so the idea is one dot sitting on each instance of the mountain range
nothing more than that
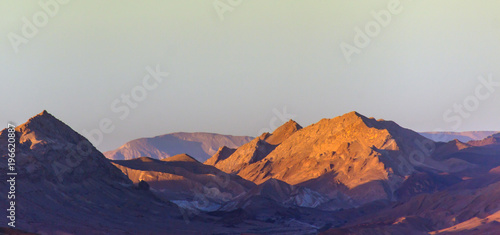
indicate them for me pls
(202, 146)
(464, 136)
(346, 175)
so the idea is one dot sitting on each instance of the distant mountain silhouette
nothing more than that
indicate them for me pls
(199, 145)
(464, 136)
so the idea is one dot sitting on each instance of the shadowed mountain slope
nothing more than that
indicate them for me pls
(181, 178)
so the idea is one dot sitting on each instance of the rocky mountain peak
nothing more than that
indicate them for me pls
(57, 151)
(42, 119)
(221, 154)
(248, 153)
(282, 133)
(290, 125)
(44, 127)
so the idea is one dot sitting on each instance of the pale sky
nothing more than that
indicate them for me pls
(227, 74)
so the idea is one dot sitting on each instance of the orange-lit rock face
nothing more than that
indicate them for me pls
(282, 133)
(342, 145)
(348, 151)
(254, 151)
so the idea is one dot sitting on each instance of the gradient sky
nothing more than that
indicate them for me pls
(227, 76)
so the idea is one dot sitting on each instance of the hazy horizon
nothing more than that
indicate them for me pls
(235, 72)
